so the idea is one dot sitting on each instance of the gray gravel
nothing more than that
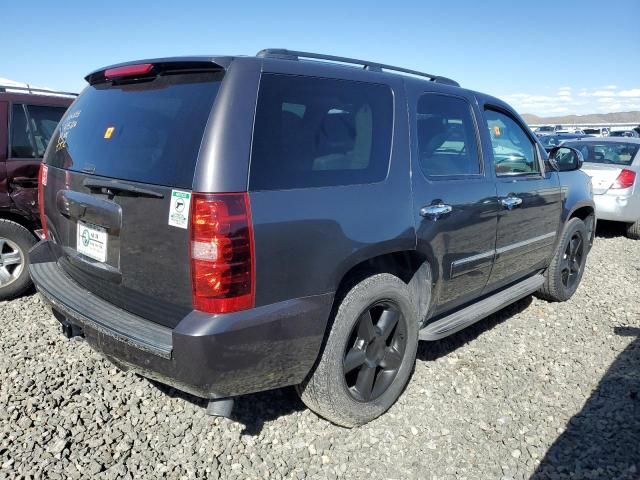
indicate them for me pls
(542, 390)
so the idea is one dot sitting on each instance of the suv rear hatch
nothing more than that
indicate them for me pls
(118, 185)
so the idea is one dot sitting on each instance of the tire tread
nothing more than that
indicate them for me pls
(25, 239)
(552, 290)
(633, 230)
(317, 391)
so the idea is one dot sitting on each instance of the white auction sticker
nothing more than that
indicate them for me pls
(179, 209)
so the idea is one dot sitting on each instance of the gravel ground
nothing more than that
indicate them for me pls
(538, 390)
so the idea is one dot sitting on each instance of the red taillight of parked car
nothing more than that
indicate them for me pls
(222, 258)
(625, 179)
(42, 182)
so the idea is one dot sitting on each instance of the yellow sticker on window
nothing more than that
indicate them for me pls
(108, 132)
(496, 131)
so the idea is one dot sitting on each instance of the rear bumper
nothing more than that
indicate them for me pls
(619, 208)
(211, 356)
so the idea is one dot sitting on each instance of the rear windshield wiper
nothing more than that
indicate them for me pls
(110, 187)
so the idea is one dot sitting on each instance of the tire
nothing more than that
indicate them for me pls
(342, 397)
(15, 242)
(633, 230)
(564, 274)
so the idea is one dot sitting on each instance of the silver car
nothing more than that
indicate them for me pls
(613, 164)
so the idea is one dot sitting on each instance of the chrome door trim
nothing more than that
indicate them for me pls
(461, 266)
(472, 263)
(524, 243)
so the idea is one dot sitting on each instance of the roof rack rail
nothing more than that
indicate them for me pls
(28, 89)
(373, 66)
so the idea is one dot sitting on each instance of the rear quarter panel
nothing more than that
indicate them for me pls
(576, 193)
(4, 127)
(307, 239)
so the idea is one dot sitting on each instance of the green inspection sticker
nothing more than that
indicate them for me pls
(179, 209)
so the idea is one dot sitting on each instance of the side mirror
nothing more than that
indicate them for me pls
(566, 159)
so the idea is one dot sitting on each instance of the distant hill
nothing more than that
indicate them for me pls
(617, 117)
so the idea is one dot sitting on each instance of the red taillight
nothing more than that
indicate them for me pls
(625, 179)
(42, 182)
(222, 261)
(128, 70)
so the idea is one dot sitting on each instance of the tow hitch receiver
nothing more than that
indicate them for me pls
(69, 329)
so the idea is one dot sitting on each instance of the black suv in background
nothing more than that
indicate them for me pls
(28, 118)
(228, 225)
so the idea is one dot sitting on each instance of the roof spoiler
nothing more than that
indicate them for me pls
(152, 68)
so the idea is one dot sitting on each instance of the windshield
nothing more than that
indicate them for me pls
(555, 140)
(545, 129)
(550, 141)
(617, 153)
(148, 132)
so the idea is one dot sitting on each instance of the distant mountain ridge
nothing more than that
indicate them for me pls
(616, 117)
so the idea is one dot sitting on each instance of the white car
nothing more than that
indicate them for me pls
(597, 132)
(614, 167)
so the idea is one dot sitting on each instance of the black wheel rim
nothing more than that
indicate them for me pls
(375, 350)
(572, 260)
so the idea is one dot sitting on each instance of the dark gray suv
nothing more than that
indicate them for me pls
(228, 225)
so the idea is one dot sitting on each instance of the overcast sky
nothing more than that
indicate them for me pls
(544, 57)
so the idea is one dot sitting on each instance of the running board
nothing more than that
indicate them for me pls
(463, 318)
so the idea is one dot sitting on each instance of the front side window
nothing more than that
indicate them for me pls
(21, 146)
(43, 122)
(513, 151)
(317, 132)
(447, 142)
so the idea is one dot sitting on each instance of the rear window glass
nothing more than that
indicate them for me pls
(316, 132)
(148, 131)
(616, 153)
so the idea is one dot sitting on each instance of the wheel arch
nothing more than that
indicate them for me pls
(411, 267)
(20, 220)
(586, 212)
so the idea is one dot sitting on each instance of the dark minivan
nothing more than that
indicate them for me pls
(28, 118)
(228, 225)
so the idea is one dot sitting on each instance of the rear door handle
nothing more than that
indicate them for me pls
(434, 212)
(24, 181)
(510, 202)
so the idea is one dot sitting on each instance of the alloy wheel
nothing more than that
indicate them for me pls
(11, 262)
(572, 260)
(375, 351)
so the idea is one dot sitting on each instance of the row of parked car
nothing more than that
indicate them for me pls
(227, 225)
(612, 161)
(547, 130)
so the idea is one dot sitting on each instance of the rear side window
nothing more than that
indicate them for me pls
(21, 146)
(317, 132)
(147, 131)
(43, 121)
(447, 141)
